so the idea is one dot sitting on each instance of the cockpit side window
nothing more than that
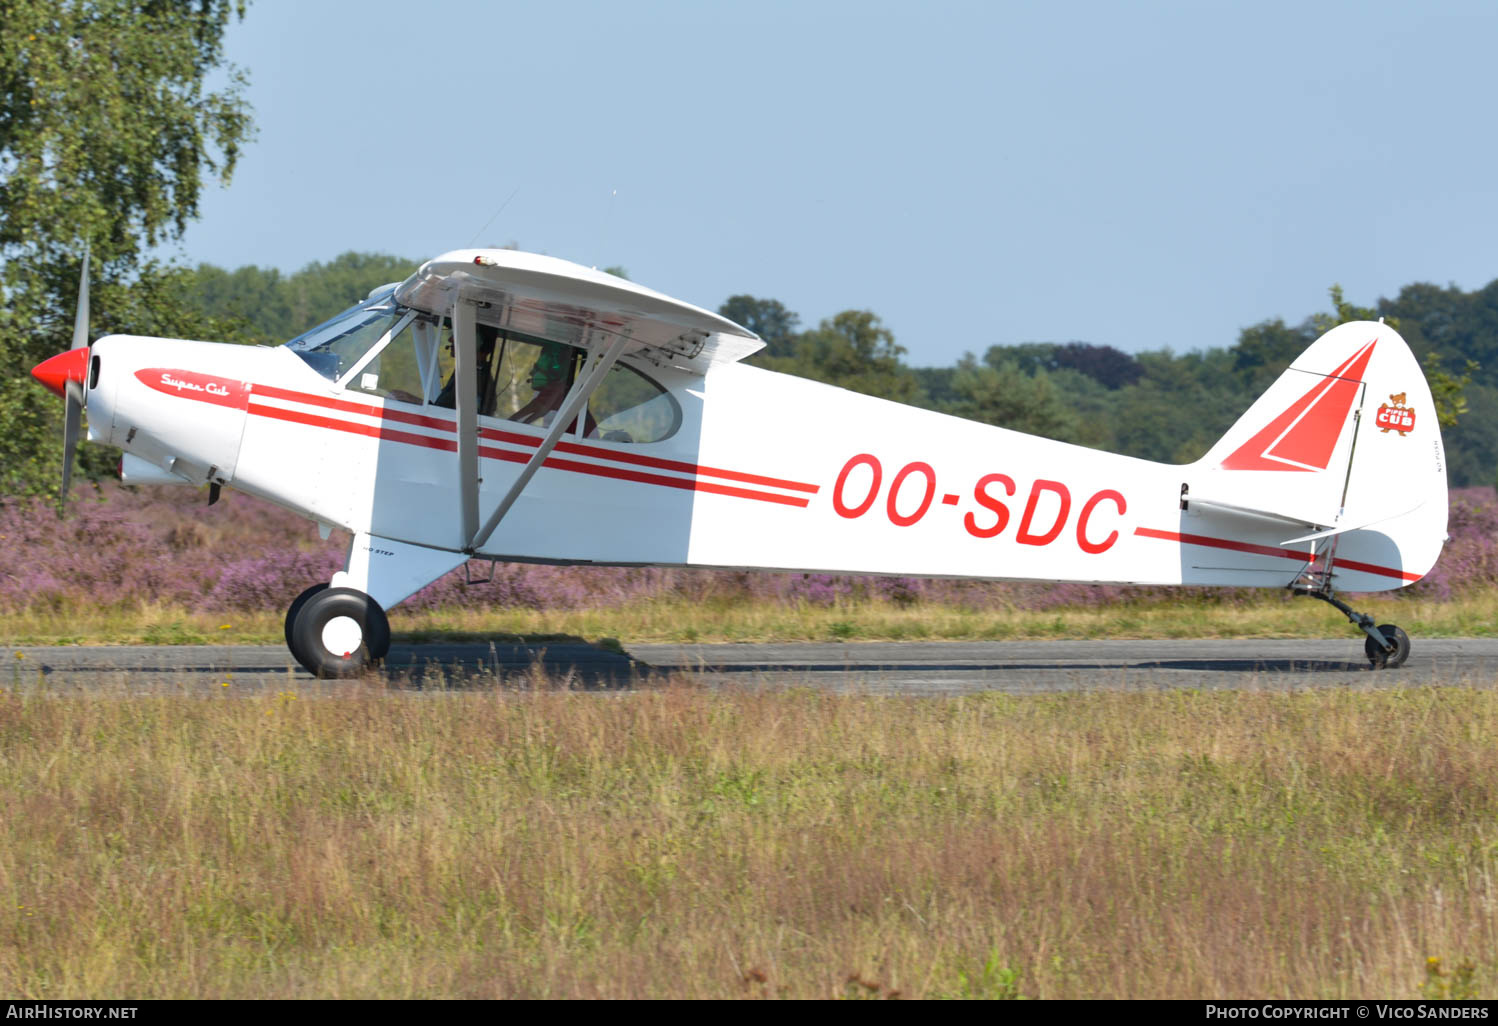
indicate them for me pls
(336, 346)
(395, 371)
(533, 379)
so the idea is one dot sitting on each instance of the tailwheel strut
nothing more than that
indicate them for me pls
(1387, 646)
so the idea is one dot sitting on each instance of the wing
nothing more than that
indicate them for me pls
(555, 299)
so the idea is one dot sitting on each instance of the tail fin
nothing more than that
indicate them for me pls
(1345, 444)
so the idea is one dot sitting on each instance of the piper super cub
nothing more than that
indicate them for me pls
(508, 406)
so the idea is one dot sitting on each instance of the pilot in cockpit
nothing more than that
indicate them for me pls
(551, 377)
(487, 339)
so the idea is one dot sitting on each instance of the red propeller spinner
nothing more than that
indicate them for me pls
(56, 371)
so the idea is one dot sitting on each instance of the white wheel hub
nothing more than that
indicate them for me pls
(342, 636)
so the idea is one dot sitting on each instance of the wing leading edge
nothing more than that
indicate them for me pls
(555, 299)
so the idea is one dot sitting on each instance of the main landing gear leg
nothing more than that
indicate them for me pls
(1387, 646)
(336, 632)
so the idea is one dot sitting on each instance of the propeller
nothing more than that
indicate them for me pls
(77, 395)
(65, 374)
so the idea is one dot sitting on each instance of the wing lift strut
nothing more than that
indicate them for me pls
(594, 371)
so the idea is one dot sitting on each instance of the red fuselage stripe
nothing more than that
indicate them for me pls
(1267, 550)
(622, 474)
(441, 424)
(552, 463)
(1369, 568)
(328, 402)
(387, 434)
(641, 460)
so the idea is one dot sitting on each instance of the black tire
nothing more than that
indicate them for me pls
(296, 607)
(311, 628)
(379, 641)
(1382, 660)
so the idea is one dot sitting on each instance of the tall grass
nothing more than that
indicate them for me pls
(689, 843)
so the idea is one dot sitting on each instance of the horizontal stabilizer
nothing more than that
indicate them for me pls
(1354, 526)
(1245, 511)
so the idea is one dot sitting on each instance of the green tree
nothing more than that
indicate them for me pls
(1343, 311)
(1106, 365)
(107, 133)
(258, 299)
(1447, 390)
(767, 318)
(1180, 406)
(1264, 350)
(936, 388)
(1472, 445)
(272, 307)
(997, 391)
(852, 350)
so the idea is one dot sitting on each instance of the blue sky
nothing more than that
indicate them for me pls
(1141, 175)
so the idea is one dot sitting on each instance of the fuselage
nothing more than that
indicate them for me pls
(761, 470)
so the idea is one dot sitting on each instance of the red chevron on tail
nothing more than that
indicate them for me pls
(1304, 436)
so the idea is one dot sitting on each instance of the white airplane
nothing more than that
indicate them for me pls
(508, 406)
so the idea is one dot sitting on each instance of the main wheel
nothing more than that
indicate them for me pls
(1382, 660)
(338, 632)
(296, 607)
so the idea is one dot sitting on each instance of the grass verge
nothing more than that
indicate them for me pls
(688, 843)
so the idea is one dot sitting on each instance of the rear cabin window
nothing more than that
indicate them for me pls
(629, 407)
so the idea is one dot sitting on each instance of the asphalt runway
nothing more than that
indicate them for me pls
(909, 668)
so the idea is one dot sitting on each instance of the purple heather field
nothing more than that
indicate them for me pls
(120, 547)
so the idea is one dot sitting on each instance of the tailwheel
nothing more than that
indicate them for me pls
(337, 632)
(1388, 659)
(1387, 646)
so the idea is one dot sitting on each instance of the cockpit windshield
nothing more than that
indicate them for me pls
(335, 346)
